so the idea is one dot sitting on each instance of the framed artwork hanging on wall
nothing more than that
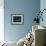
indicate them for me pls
(17, 19)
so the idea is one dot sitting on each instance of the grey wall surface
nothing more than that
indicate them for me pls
(43, 6)
(26, 7)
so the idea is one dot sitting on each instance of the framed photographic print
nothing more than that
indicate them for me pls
(17, 19)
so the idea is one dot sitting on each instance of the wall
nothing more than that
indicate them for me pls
(26, 7)
(1, 20)
(43, 6)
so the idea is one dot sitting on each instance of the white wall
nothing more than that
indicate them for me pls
(1, 20)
